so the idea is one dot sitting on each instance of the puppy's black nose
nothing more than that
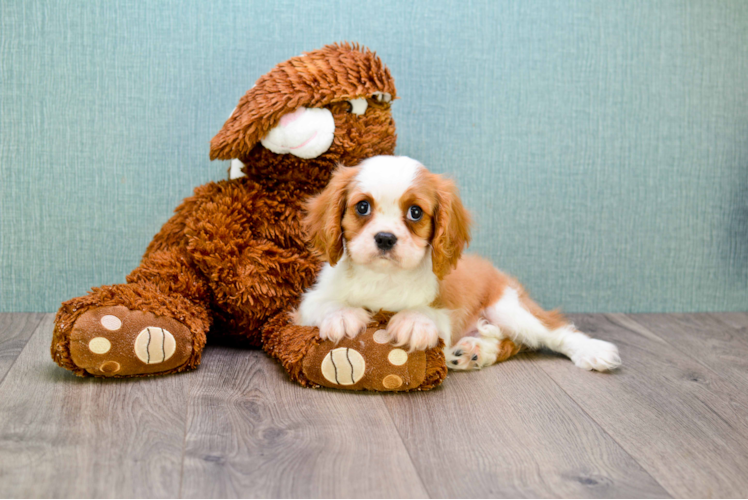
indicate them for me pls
(385, 241)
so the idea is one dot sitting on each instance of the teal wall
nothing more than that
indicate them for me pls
(603, 146)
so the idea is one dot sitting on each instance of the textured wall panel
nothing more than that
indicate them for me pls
(603, 146)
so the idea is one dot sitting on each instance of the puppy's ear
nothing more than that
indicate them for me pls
(324, 215)
(451, 228)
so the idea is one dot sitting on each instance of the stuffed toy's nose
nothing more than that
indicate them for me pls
(306, 133)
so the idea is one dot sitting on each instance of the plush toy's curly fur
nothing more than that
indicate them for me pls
(232, 260)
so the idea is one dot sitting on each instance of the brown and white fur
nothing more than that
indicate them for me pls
(381, 255)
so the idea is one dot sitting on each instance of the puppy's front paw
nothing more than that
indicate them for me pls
(346, 322)
(414, 329)
(594, 354)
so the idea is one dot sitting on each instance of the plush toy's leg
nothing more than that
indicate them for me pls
(154, 324)
(367, 362)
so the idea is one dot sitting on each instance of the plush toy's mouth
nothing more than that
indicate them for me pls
(305, 142)
(306, 133)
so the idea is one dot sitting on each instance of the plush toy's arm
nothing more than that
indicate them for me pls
(249, 249)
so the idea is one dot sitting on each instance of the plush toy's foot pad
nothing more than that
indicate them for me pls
(115, 341)
(368, 361)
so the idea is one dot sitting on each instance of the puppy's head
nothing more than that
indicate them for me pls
(388, 213)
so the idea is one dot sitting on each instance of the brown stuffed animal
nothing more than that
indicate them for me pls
(232, 260)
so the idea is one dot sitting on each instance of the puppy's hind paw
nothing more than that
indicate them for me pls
(596, 355)
(472, 353)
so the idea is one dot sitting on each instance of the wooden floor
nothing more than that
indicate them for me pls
(673, 422)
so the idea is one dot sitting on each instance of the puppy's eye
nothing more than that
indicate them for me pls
(415, 213)
(363, 208)
(358, 106)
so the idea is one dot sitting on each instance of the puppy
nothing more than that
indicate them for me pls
(392, 234)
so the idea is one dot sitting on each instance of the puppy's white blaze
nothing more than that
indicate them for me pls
(387, 178)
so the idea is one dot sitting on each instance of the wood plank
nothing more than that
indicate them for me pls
(253, 433)
(674, 415)
(64, 436)
(707, 338)
(15, 330)
(737, 320)
(509, 431)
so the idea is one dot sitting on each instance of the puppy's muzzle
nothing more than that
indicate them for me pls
(385, 241)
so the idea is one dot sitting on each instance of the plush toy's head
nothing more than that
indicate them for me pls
(310, 113)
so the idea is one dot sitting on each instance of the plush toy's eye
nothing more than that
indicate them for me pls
(363, 208)
(358, 106)
(415, 213)
(383, 97)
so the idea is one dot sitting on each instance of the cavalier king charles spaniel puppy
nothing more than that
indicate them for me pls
(392, 234)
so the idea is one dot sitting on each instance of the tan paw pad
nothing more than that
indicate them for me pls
(154, 345)
(99, 345)
(111, 322)
(110, 367)
(397, 357)
(392, 382)
(381, 337)
(343, 366)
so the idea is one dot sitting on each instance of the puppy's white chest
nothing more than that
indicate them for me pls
(394, 292)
